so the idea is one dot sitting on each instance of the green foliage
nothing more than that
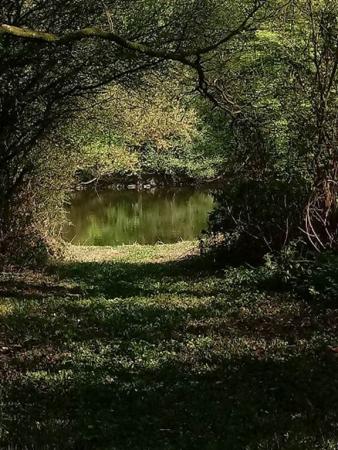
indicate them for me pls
(310, 275)
(276, 82)
(281, 90)
(152, 131)
(43, 84)
(38, 211)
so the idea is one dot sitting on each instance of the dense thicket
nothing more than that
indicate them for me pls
(281, 92)
(155, 132)
(268, 68)
(42, 78)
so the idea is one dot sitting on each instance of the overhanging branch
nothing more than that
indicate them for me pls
(92, 32)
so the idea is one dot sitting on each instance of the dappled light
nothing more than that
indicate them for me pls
(143, 354)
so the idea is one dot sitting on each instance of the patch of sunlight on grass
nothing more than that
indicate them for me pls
(6, 307)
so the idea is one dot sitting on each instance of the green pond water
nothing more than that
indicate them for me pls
(128, 217)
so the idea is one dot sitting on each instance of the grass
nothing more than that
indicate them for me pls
(149, 348)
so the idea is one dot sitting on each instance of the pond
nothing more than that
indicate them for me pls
(146, 217)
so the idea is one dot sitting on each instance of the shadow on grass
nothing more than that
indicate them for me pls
(242, 403)
(165, 356)
(107, 279)
(28, 290)
(126, 279)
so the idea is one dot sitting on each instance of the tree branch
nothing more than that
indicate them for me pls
(92, 32)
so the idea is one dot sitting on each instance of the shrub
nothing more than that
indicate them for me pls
(254, 218)
(36, 211)
(308, 273)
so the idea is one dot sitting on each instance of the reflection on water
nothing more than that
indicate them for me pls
(126, 217)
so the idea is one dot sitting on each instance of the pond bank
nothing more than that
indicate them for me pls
(145, 182)
(144, 347)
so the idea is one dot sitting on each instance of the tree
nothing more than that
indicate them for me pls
(44, 73)
(320, 82)
(280, 91)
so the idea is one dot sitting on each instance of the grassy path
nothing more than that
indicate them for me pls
(144, 348)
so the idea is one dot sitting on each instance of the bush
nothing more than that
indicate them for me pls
(254, 218)
(145, 133)
(32, 226)
(310, 274)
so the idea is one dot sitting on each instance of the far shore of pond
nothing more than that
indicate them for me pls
(146, 183)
